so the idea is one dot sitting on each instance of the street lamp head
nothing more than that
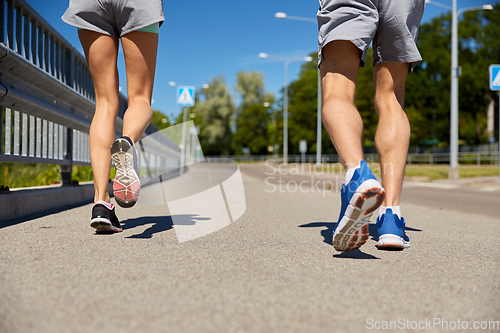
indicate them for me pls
(488, 7)
(280, 15)
(172, 83)
(308, 59)
(263, 55)
(205, 86)
(267, 104)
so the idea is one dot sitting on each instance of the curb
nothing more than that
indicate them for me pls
(25, 202)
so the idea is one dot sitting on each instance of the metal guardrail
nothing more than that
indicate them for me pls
(47, 97)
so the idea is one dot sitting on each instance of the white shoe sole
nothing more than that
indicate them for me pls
(127, 185)
(103, 225)
(353, 231)
(392, 241)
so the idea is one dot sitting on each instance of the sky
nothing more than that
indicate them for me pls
(200, 40)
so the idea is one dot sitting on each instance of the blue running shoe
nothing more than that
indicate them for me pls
(391, 231)
(360, 198)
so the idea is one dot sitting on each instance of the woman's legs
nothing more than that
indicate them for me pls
(102, 52)
(139, 49)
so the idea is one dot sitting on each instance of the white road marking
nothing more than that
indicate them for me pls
(444, 186)
(489, 189)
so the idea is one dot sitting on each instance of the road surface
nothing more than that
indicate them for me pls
(272, 270)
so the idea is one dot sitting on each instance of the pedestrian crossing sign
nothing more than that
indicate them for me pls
(185, 95)
(495, 77)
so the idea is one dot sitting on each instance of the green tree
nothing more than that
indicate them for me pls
(479, 33)
(303, 110)
(250, 86)
(252, 129)
(253, 119)
(214, 115)
(429, 90)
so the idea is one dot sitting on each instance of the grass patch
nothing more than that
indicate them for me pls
(432, 172)
(484, 171)
(82, 173)
(16, 175)
(441, 172)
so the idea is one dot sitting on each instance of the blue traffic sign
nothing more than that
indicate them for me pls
(495, 77)
(185, 95)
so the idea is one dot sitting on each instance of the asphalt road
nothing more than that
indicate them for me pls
(272, 270)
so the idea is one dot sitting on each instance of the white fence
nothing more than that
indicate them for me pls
(479, 157)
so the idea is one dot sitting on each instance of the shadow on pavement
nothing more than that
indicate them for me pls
(330, 226)
(355, 254)
(389, 249)
(326, 233)
(159, 224)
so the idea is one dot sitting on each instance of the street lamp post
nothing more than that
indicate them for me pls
(285, 98)
(453, 173)
(319, 126)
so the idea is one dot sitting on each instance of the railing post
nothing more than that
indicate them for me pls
(8, 131)
(68, 63)
(46, 47)
(26, 32)
(52, 46)
(67, 169)
(10, 24)
(19, 30)
(40, 46)
(2, 26)
(33, 41)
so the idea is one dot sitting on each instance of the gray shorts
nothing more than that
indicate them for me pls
(114, 17)
(391, 25)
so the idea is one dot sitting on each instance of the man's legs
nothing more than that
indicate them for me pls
(361, 194)
(393, 132)
(392, 139)
(339, 72)
(101, 52)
